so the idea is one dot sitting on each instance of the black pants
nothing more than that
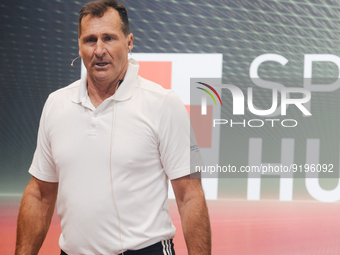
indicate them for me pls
(161, 248)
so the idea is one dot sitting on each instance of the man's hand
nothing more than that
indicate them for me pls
(35, 214)
(194, 214)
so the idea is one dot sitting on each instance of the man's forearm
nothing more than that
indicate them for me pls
(196, 226)
(34, 219)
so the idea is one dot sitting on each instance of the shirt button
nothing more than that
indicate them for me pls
(95, 115)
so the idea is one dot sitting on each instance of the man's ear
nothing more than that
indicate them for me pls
(79, 48)
(130, 41)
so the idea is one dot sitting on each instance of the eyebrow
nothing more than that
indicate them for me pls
(88, 37)
(111, 34)
(94, 36)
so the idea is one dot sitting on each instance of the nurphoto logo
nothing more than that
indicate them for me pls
(238, 105)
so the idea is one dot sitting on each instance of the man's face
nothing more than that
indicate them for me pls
(104, 47)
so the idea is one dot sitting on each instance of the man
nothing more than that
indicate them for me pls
(107, 145)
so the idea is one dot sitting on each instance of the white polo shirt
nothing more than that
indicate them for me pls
(151, 139)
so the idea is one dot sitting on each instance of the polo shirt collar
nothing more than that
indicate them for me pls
(125, 90)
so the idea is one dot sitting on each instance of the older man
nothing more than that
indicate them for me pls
(107, 145)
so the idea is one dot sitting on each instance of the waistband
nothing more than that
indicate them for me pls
(164, 247)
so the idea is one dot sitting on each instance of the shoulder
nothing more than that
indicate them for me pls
(152, 87)
(165, 101)
(155, 91)
(70, 90)
(62, 97)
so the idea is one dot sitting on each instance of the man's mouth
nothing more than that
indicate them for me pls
(102, 64)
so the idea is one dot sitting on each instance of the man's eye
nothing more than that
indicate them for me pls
(91, 40)
(108, 38)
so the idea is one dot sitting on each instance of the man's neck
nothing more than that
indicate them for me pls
(99, 91)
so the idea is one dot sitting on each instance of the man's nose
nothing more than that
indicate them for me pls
(100, 49)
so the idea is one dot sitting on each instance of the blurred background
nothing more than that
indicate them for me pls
(39, 39)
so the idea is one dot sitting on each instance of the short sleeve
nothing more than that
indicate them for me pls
(176, 139)
(43, 166)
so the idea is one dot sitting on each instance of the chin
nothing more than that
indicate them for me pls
(101, 76)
